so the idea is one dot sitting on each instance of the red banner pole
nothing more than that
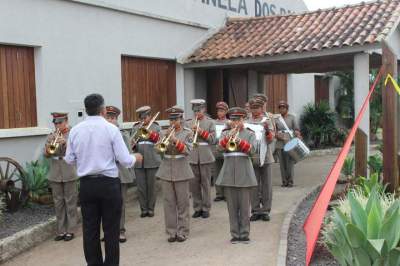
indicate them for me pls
(313, 223)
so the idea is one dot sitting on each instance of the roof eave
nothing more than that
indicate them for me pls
(285, 57)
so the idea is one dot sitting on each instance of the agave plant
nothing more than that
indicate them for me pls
(366, 185)
(365, 230)
(35, 178)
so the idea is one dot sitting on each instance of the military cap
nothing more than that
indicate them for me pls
(260, 96)
(143, 111)
(112, 110)
(283, 103)
(222, 105)
(197, 104)
(59, 117)
(174, 112)
(237, 112)
(256, 102)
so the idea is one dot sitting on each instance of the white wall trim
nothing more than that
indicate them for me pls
(113, 7)
(24, 132)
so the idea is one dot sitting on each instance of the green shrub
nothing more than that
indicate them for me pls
(364, 230)
(367, 185)
(317, 124)
(375, 163)
(348, 166)
(35, 178)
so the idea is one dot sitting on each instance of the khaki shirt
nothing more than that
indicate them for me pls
(59, 170)
(127, 175)
(177, 169)
(203, 153)
(262, 120)
(151, 159)
(238, 171)
(292, 125)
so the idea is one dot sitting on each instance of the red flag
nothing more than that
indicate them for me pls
(313, 223)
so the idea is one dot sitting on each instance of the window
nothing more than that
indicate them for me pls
(17, 87)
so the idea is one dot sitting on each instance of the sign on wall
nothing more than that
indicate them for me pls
(249, 7)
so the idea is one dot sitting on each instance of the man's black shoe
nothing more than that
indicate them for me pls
(172, 239)
(265, 217)
(59, 237)
(205, 214)
(197, 214)
(143, 214)
(219, 199)
(254, 217)
(235, 240)
(181, 239)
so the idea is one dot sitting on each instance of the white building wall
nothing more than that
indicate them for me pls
(79, 43)
(301, 91)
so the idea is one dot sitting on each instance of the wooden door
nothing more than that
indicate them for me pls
(276, 90)
(236, 87)
(215, 91)
(321, 89)
(147, 82)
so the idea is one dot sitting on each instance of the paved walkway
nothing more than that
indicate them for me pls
(208, 243)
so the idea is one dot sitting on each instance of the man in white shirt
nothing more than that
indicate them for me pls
(95, 146)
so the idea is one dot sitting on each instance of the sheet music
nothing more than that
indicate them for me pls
(218, 130)
(258, 130)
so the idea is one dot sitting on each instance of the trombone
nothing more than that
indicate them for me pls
(143, 132)
(196, 134)
(162, 146)
(54, 145)
(232, 144)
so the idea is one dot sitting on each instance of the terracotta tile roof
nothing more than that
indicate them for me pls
(361, 24)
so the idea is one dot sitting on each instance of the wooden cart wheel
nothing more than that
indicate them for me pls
(12, 184)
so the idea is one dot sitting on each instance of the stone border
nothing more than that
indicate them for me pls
(32, 236)
(283, 242)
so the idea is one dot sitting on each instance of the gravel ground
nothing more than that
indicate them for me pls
(24, 218)
(297, 242)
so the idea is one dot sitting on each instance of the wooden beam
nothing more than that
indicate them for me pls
(361, 153)
(390, 131)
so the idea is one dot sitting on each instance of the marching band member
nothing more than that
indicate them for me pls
(285, 161)
(175, 174)
(261, 199)
(126, 174)
(237, 173)
(220, 122)
(201, 159)
(62, 179)
(146, 170)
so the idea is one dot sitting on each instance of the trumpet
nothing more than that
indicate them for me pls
(232, 144)
(196, 134)
(143, 132)
(54, 145)
(162, 146)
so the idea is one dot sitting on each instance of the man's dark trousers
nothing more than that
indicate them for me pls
(101, 203)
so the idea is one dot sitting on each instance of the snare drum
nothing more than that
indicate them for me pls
(296, 149)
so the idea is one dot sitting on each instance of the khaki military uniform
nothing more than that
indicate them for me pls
(175, 174)
(63, 183)
(127, 175)
(261, 198)
(285, 161)
(219, 158)
(201, 160)
(238, 179)
(146, 170)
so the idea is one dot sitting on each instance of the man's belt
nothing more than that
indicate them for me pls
(58, 158)
(174, 156)
(146, 142)
(235, 154)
